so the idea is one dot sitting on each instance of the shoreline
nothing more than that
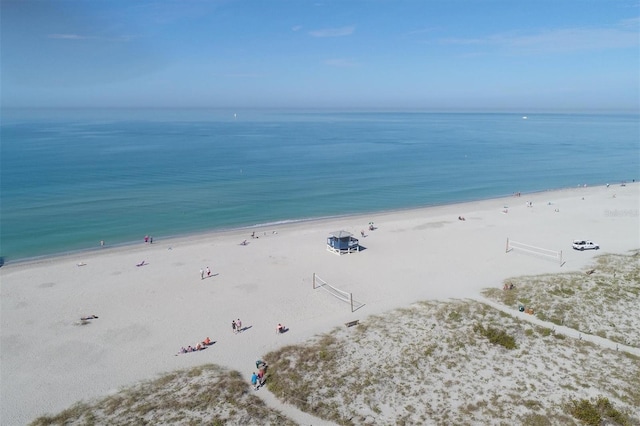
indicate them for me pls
(285, 222)
(147, 313)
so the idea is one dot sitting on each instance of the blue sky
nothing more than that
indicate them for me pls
(443, 55)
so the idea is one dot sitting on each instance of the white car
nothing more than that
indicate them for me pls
(585, 245)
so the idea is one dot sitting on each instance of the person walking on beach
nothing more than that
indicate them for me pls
(234, 326)
(261, 377)
(238, 325)
(201, 274)
(208, 272)
(254, 380)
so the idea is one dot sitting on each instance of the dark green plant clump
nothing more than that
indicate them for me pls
(495, 336)
(596, 411)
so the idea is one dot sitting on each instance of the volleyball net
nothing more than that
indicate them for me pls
(555, 255)
(336, 292)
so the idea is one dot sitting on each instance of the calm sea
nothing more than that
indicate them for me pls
(71, 178)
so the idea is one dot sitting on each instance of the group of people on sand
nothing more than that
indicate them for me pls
(198, 347)
(205, 273)
(371, 228)
(148, 239)
(258, 379)
(253, 234)
(236, 325)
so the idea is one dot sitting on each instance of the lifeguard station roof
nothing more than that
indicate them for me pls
(340, 234)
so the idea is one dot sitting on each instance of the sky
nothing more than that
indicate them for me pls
(437, 55)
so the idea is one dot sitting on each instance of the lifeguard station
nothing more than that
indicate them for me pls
(342, 242)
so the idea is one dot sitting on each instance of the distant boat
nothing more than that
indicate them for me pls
(524, 117)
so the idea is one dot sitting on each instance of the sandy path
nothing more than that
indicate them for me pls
(569, 332)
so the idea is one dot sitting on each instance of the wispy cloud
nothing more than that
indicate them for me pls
(421, 31)
(558, 40)
(333, 32)
(67, 36)
(576, 39)
(296, 28)
(630, 23)
(84, 37)
(242, 75)
(341, 63)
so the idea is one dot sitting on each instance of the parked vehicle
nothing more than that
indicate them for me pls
(585, 245)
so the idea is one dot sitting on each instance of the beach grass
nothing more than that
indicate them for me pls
(598, 301)
(207, 394)
(457, 362)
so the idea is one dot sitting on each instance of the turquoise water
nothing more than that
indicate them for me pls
(72, 178)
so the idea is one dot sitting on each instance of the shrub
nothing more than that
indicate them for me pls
(584, 411)
(594, 412)
(495, 336)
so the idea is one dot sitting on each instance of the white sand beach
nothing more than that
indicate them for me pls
(51, 359)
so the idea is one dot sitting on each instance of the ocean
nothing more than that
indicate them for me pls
(71, 178)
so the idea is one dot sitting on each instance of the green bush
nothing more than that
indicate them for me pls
(584, 411)
(544, 331)
(594, 412)
(495, 336)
